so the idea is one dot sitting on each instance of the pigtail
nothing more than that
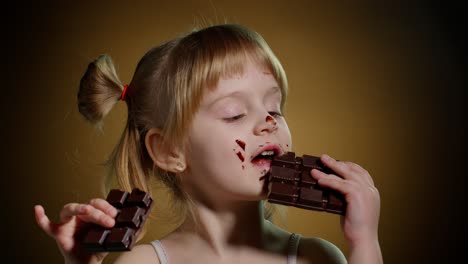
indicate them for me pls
(100, 89)
(127, 159)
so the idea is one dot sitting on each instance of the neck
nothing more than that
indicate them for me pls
(242, 224)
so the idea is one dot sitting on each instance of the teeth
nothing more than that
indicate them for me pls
(267, 153)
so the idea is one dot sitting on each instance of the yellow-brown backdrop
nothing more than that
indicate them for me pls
(373, 84)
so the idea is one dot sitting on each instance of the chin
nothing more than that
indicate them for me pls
(257, 195)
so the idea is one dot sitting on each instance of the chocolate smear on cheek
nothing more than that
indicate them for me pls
(240, 154)
(241, 144)
(241, 157)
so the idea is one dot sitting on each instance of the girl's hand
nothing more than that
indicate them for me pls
(75, 219)
(360, 224)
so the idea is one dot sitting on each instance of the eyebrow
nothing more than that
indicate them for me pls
(274, 89)
(271, 91)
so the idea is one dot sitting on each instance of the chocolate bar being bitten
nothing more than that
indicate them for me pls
(133, 209)
(291, 184)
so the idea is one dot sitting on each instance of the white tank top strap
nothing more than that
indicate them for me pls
(293, 244)
(160, 251)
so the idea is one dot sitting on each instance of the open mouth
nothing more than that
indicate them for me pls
(265, 157)
(263, 161)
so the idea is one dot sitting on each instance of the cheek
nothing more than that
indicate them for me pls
(231, 151)
(285, 135)
(216, 148)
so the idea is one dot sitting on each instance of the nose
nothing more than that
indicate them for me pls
(266, 124)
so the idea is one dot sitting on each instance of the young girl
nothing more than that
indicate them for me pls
(200, 109)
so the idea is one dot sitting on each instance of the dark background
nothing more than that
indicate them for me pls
(379, 84)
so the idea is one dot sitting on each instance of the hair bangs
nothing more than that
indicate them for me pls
(223, 52)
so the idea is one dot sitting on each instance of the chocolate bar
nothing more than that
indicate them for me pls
(291, 184)
(133, 209)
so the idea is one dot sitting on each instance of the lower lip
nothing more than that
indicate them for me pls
(263, 165)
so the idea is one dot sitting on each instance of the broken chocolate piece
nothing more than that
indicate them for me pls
(133, 210)
(283, 193)
(117, 198)
(291, 184)
(120, 239)
(95, 238)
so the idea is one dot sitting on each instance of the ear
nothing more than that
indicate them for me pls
(170, 160)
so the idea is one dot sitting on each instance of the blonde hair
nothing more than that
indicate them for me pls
(166, 91)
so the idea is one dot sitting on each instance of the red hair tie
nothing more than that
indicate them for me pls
(124, 92)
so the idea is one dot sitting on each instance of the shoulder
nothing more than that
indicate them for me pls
(317, 250)
(141, 254)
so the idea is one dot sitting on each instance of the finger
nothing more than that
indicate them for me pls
(333, 182)
(338, 167)
(360, 170)
(355, 167)
(43, 221)
(104, 206)
(97, 216)
(72, 209)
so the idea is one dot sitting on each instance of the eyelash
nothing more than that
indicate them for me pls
(237, 117)
(275, 114)
(234, 118)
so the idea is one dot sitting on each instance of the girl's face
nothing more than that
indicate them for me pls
(236, 123)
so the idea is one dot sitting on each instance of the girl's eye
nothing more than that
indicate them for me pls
(275, 114)
(234, 118)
